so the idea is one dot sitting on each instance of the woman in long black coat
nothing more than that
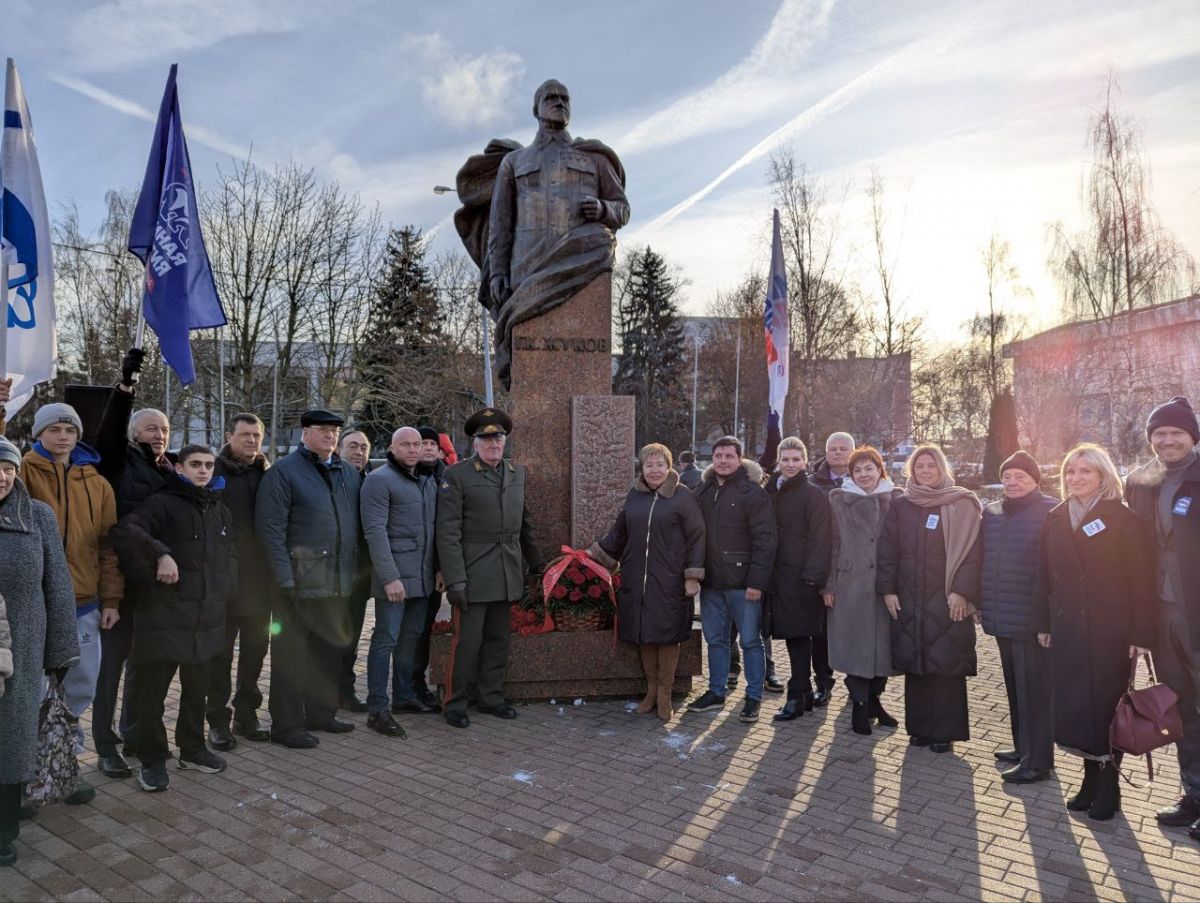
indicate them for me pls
(928, 565)
(658, 538)
(1095, 606)
(795, 609)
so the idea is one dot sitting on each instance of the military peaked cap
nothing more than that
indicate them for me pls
(488, 422)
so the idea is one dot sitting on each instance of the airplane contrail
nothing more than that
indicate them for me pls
(846, 94)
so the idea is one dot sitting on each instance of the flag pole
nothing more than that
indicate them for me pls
(221, 381)
(737, 379)
(695, 382)
(4, 310)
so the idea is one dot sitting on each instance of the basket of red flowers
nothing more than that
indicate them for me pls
(579, 593)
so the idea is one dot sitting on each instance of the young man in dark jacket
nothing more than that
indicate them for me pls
(739, 557)
(1165, 493)
(241, 464)
(178, 549)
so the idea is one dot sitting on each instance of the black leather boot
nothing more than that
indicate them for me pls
(860, 721)
(1108, 792)
(1082, 801)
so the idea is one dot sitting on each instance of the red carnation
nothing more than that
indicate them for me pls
(576, 595)
(616, 581)
(576, 575)
(594, 591)
(559, 591)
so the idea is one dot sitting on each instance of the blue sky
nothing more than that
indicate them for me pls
(974, 112)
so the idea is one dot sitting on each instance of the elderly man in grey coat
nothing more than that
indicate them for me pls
(40, 607)
(398, 508)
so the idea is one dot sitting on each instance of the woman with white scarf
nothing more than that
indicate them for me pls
(857, 624)
(1095, 605)
(928, 565)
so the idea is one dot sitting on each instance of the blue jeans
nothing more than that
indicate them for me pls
(719, 610)
(398, 627)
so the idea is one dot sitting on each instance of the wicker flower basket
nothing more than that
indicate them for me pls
(583, 620)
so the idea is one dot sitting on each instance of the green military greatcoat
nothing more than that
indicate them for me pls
(483, 530)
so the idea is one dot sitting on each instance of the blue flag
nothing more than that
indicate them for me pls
(180, 293)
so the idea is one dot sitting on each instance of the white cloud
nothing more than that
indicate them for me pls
(464, 90)
(125, 33)
(197, 133)
(753, 88)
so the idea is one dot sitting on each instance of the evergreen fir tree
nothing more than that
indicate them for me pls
(1002, 438)
(653, 356)
(403, 336)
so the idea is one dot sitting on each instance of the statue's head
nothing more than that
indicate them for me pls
(552, 104)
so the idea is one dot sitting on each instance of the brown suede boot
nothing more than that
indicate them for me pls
(650, 665)
(668, 658)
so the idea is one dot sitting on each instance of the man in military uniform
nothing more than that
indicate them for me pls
(485, 544)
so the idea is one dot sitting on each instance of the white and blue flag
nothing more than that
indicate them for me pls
(31, 340)
(778, 342)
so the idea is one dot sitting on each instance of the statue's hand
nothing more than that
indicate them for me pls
(591, 208)
(500, 288)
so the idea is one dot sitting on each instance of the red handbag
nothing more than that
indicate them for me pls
(1145, 719)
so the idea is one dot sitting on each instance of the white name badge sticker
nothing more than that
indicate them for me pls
(931, 522)
(1182, 505)
(1096, 526)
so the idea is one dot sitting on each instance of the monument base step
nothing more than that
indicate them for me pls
(568, 665)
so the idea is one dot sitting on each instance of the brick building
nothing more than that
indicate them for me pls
(1097, 381)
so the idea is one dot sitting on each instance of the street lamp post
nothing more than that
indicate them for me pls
(485, 328)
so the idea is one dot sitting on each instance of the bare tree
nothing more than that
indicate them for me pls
(1123, 258)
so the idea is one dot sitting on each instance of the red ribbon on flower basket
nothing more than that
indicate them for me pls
(580, 557)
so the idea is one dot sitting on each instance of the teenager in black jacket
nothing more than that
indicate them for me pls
(179, 549)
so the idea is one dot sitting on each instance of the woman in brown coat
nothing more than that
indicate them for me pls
(658, 538)
(1095, 606)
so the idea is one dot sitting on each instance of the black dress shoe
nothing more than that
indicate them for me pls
(1023, 775)
(384, 723)
(413, 707)
(914, 740)
(428, 699)
(790, 712)
(808, 702)
(221, 739)
(353, 703)
(941, 746)
(503, 710)
(1194, 831)
(115, 766)
(1182, 814)
(820, 698)
(251, 730)
(332, 725)
(297, 740)
(8, 853)
(457, 718)
(876, 710)
(1007, 755)
(773, 684)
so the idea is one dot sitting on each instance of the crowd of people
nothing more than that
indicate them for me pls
(125, 566)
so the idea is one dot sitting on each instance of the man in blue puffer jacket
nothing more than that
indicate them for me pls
(1009, 537)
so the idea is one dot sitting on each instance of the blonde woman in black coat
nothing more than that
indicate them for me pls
(1095, 606)
(658, 539)
(795, 609)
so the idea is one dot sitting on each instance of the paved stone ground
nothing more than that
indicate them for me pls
(591, 802)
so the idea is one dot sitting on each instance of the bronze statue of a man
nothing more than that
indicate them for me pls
(542, 227)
